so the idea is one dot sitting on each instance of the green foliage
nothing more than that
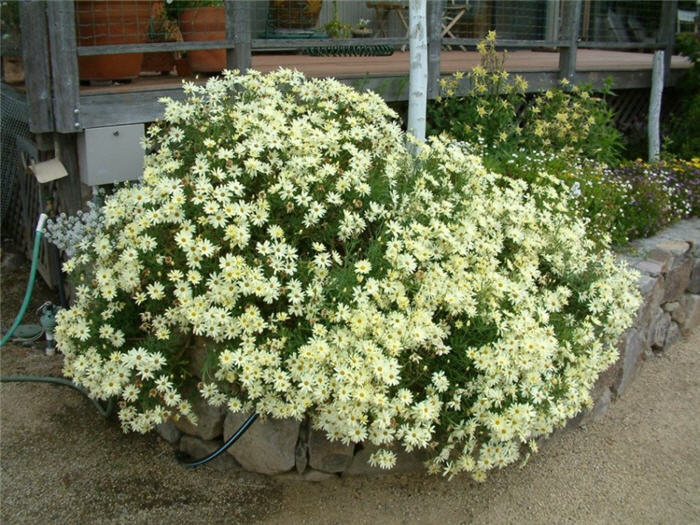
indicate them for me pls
(335, 28)
(487, 112)
(658, 194)
(573, 122)
(408, 300)
(495, 113)
(684, 135)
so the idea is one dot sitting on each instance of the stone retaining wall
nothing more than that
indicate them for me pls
(669, 266)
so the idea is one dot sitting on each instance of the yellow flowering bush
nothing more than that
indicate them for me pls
(490, 108)
(409, 302)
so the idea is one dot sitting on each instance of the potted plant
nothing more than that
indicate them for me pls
(362, 29)
(201, 21)
(107, 23)
(335, 28)
(294, 14)
(161, 28)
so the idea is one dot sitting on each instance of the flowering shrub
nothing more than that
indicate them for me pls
(598, 198)
(634, 200)
(496, 114)
(408, 302)
(660, 193)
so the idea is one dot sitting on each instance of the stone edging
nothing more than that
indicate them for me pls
(669, 266)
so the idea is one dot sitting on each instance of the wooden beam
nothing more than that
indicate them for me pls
(435, 11)
(238, 22)
(551, 30)
(152, 47)
(667, 31)
(64, 66)
(37, 69)
(567, 56)
(69, 188)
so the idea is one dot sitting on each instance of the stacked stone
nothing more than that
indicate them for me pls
(669, 266)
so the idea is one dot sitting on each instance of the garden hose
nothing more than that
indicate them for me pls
(182, 457)
(104, 412)
(32, 277)
(350, 51)
(23, 310)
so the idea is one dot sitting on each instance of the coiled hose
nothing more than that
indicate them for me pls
(105, 412)
(350, 51)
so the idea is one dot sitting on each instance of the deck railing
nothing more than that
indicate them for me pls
(50, 39)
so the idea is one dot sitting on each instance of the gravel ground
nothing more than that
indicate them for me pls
(60, 462)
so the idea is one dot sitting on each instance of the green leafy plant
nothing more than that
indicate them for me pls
(684, 133)
(495, 113)
(411, 302)
(335, 28)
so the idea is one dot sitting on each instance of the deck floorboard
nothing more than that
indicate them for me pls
(520, 61)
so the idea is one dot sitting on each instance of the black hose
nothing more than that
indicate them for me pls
(104, 412)
(360, 50)
(183, 458)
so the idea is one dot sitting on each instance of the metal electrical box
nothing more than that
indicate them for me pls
(111, 154)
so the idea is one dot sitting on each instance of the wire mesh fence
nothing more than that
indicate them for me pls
(119, 22)
(621, 21)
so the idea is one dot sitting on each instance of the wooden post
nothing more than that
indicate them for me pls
(551, 30)
(657, 89)
(70, 187)
(435, 9)
(35, 56)
(667, 31)
(64, 66)
(238, 22)
(567, 55)
(418, 73)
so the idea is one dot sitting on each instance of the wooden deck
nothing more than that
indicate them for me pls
(138, 100)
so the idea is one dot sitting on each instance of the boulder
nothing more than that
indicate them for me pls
(599, 408)
(676, 310)
(694, 281)
(662, 257)
(652, 290)
(199, 448)
(651, 268)
(675, 251)
(169, 432)
(197, 354)
(658, 328)
(326, 455)
(677, 280)
(673, 335)
(210, 420)
(631, 348)
(267, 447)
(691, 306)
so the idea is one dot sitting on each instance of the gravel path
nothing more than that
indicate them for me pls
(60, 462)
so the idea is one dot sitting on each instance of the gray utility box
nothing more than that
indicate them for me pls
(111, 154)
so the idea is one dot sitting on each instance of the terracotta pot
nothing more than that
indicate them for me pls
(160, 62)
(204, 24)
(111, 22)
(295, 14)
